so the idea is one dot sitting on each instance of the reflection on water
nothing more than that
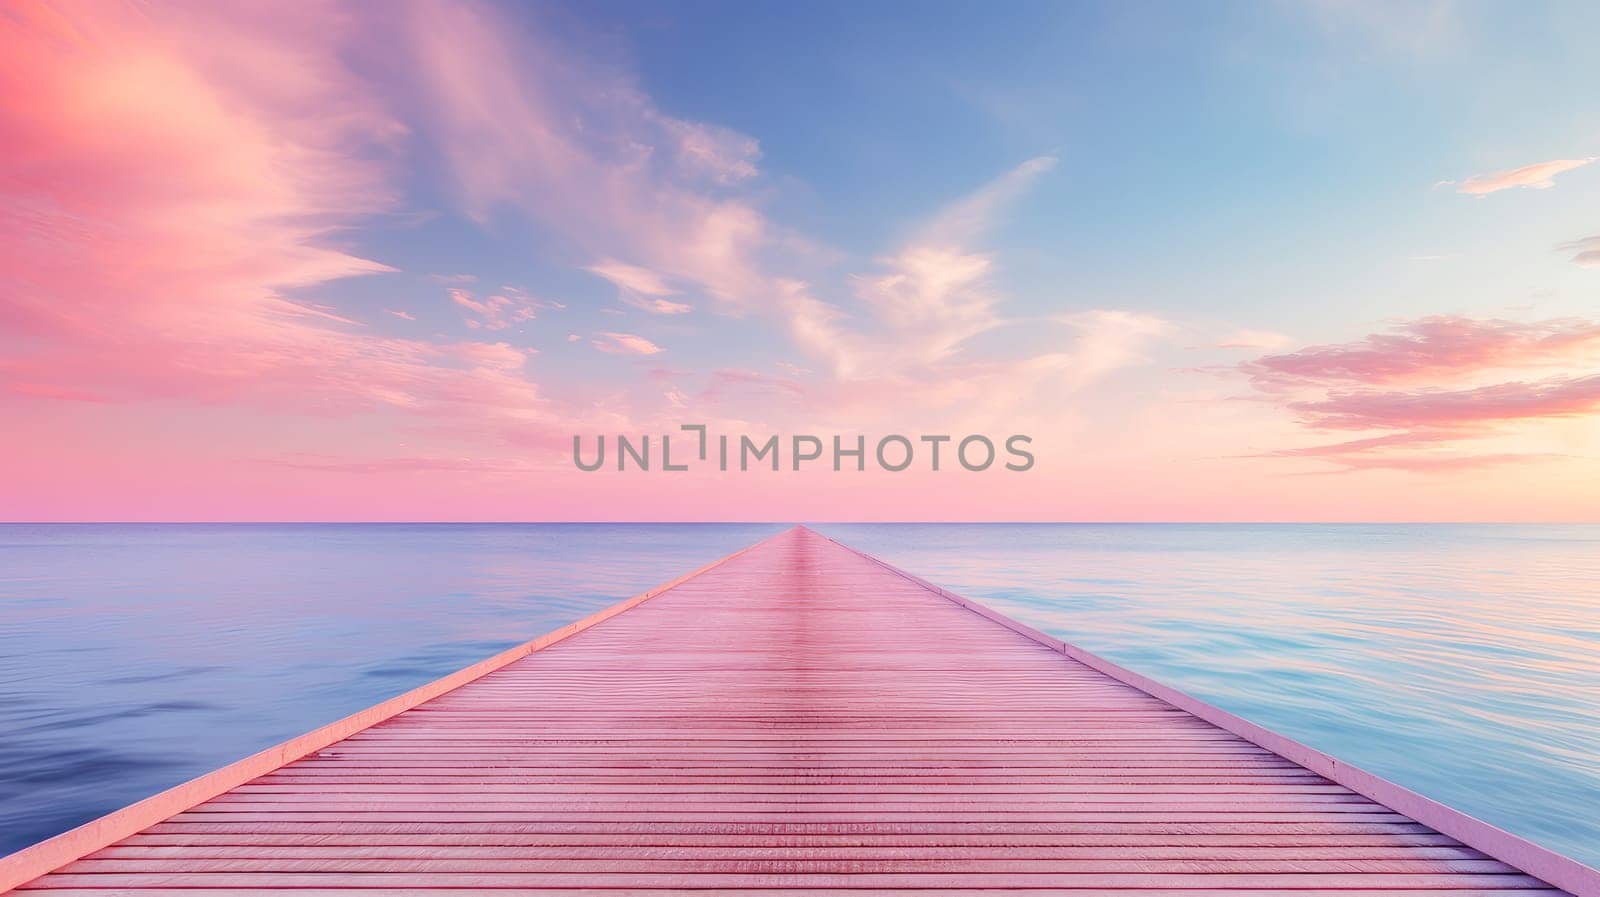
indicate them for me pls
(135, 657)
(1462, 661)
(1457, 660)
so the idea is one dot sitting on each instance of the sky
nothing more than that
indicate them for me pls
(1315, 261)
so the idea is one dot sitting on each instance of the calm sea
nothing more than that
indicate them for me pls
(1460, 661)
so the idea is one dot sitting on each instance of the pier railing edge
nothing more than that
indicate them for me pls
(1541, 862)
(46, 856)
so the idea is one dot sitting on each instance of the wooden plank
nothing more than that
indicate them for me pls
(797, 719)
(31, 862)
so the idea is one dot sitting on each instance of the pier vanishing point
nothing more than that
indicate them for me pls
(800, 719)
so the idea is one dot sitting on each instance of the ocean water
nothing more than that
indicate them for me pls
(1460, 661)
(135, 657)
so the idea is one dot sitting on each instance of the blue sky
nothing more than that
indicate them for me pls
(1275, 161)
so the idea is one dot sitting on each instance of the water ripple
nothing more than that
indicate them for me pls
(133, 658)
(1458, 660)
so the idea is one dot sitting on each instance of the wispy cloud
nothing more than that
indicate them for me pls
(641, 288)
(403, 315)
(1432, 382)
(1538, 176)
(1442, 346)
(970, 218)
(1254, 340)
(1586, 252)
(499, 310)
(907, 341)
(632, 277)
(1366, 409)
(666, 206)
(722, 154)
(729, 380)
(923, 302)
(525, 125)
(1412, 452)
(624, 344)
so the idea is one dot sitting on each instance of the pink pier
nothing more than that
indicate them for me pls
(795, 718)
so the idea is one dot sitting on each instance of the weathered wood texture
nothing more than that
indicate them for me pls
(797, 719)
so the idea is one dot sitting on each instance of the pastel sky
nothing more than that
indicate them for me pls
(1254, 261)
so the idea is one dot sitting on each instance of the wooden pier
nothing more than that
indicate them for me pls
(798, 718)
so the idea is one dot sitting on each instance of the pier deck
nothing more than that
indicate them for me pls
(798, 718)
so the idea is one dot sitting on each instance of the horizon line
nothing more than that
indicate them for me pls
(799, 522)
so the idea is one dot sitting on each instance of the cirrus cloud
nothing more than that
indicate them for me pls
(501, 309)
(624, 344)
(1538, 176)
(641, 288)
(1586, 252)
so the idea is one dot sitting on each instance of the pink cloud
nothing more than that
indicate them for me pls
(1418, 453)
(491, 355)
(634, 278)
(624, 344)
(735, 380)
(722, 154)
(402, 315)
(529, 127)
(1445, 463)
(1436, 381)
(1586, 251)
(1539, 176)
(920, 309)
(658, 306)
(166, 193)
(1442, 346)
(641, 288)
(500, 310)
(1374, 409)
(1440, 463)
(145, 245)
(1358, 446)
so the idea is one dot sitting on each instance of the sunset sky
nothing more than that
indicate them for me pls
(1259, 261)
